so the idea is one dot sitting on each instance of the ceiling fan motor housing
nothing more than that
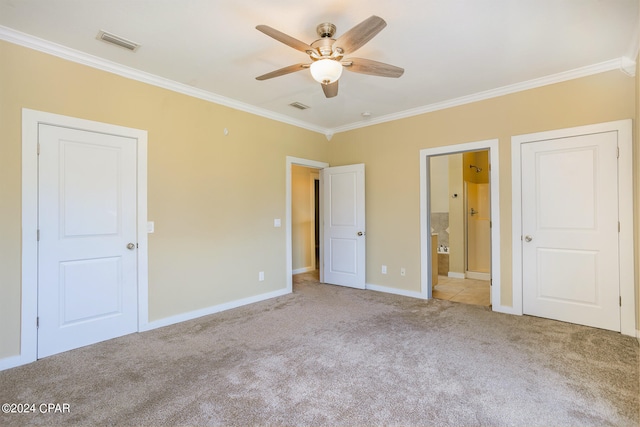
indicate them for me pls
(326, 30)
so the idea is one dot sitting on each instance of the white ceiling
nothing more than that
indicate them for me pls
(451, 50)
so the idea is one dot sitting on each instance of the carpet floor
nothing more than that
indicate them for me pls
(328, 355)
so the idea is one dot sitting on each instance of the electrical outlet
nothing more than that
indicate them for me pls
(261, 276)
(403, 272)
(384, 269)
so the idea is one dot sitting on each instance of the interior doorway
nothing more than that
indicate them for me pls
(444, 210)
(312, 205)
(460, 217)
(305, 221)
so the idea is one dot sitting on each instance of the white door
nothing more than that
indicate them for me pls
(570, 230)
(87, 286)
(344, 225)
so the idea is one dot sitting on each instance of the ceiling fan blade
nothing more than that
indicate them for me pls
(286, 39)
(356, 37)
(374, 68)
(282, 71)
(330, 90)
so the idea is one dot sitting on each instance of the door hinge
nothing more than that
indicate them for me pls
(620, 301)
(38, 149)
(38, 322)
(618, 152)
(618, 226)
(38, 235)
(490, 224)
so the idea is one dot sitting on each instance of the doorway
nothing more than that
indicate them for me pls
(343, 257)
(573, 233)
(32, 122)
(460, 217)
(447, 165)
(311, 169)
(305, 225)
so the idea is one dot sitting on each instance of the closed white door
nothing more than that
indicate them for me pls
(87, 268)
(344, 225)
(570, 230)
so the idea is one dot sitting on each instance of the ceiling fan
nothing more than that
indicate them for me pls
(327, 54)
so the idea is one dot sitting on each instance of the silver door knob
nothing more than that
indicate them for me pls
(528, 238)
(360, 233)
(131, 246)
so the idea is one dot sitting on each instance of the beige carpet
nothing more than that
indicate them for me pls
(327, 355)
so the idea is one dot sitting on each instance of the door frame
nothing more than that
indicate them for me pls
(31, 119)
(425, 220)
(313, 164)
(625, 212)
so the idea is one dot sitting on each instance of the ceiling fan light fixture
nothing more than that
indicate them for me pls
(326, 71)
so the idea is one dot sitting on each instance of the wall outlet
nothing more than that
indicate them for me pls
(261, 276)
(403, 272)
(384, 269)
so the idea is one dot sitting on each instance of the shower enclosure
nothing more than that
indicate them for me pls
(478, 230)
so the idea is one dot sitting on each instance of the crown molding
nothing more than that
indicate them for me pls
(623, 64)
(35, 43)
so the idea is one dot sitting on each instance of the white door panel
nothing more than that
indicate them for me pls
(87, 287)
(344, 225)
(570, 230)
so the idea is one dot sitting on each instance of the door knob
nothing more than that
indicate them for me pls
(528, 238)
(131, 246)
(360, 233)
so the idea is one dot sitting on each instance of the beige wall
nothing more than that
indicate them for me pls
(456, 215)
(213, 220)
(390, 152)
(439, 169)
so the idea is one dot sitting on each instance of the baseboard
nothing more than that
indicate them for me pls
(456, 275)
(303, 270)
(211, 310)
(12, 362)
(477, 275)
(505, 309)
(395, 291)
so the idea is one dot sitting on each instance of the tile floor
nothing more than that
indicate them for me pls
(467, 291)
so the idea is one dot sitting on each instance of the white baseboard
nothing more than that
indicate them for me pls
(395, 291)
(456, 275)
(302, 270)
(211, 310)
(505, 309)
(478, 276)
(12, 362)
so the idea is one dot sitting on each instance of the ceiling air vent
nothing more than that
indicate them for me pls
(118, 41)
(299, 106)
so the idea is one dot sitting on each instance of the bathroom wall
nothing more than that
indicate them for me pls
(439, 185)
(456, 217)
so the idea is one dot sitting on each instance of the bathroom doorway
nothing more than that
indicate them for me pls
(460, 217)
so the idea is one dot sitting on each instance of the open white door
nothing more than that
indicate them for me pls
(344, 225)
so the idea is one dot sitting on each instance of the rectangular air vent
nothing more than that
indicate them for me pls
(299, 106)
(117, 40)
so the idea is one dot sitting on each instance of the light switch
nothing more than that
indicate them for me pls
(151, 227)
(277, 222)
